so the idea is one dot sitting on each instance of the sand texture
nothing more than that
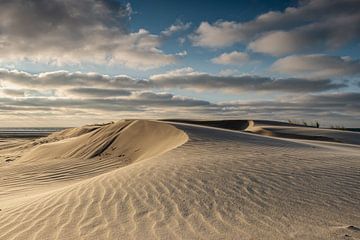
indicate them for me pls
(138, 179)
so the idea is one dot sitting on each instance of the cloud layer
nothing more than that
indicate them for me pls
(55, 94)
(181, 78)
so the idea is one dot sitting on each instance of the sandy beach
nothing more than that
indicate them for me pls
(139, 179)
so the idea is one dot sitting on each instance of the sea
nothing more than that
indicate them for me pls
(27, 132)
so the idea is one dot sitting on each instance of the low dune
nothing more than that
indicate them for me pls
(139, 179)
(280, 129)
(285, 130)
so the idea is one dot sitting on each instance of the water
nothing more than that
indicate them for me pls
(26, 132)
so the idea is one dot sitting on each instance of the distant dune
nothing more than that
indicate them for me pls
(281, 129)
(183, 179)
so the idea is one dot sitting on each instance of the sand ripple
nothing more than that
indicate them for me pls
(220, 184)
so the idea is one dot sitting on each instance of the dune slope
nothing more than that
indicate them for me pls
(206, 184)
(81, 153)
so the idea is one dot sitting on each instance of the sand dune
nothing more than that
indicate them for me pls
(280, 129)
(300, 132)
(152, 180)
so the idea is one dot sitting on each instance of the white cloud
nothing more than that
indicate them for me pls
(229, 72)
(275, 43)
(233, 58)
(182, 53)
(178, 26)
(181, 40)
(328, 34)
(310, 25)
(219, 34)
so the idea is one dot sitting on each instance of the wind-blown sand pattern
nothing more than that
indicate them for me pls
(153, 180)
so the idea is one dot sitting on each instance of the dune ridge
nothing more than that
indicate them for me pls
(210, 183)
(279, 129)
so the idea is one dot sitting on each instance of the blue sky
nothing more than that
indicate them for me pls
(201, 59)
(147, 13)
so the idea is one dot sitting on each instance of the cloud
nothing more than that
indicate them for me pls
(72, 32)
(182, 54)
(178, 26)
(345, 100)
(26, 92)
(98, 92)
(181, 78)
(55, 96)
(333, 102)
(181, 40)
(190, 79)
(229, 72)
(219, 34)
(137, 102)
(65, 79)
(232, 58)
(13, 92)
(312, 24)
(318, 65)
(329, 34)
(329, 109)
(276, 43)
(333, 108)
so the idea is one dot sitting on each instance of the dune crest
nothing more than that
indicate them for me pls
(130, 140)
(38, 166)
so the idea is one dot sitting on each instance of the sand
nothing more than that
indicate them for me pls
(139, 179)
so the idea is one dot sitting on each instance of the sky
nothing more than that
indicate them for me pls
(69, 63)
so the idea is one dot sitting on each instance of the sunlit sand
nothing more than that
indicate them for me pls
(139, 179)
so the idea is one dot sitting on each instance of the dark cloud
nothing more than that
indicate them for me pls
(330, 109)
(182, 78)
(64, 79)
(347, 100)
(187, 78)
(137, 102)
(318, 65)
(343, 102)
(13, 92)
(98, 92)
(67, 32)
